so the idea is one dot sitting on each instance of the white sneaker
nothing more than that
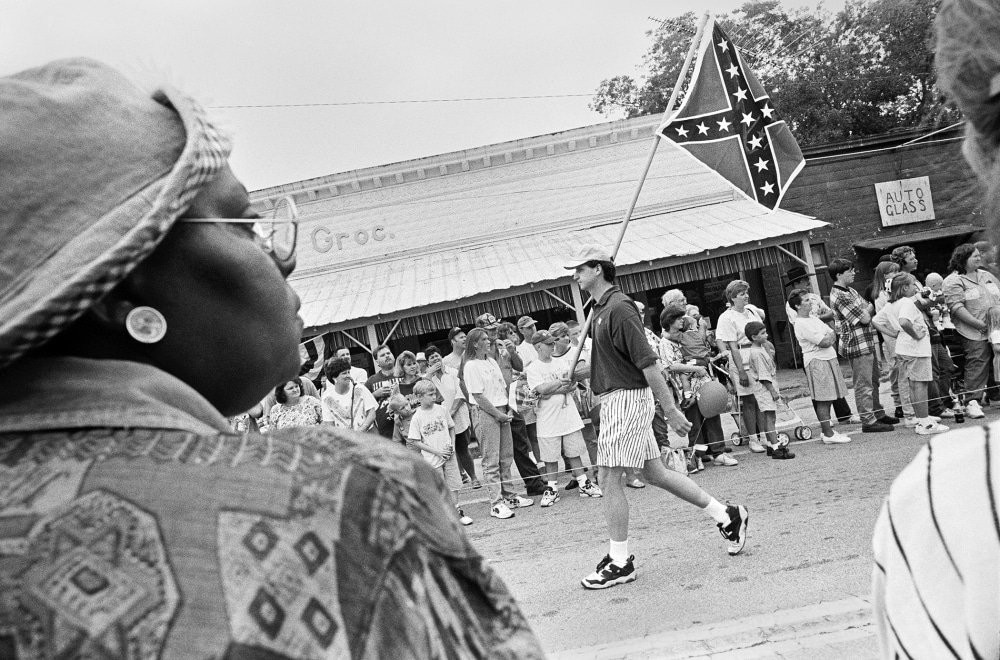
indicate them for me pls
(930, 428)
(973, 410)
(909, 422)
(726, 460)
(588, 489)
(501, 511)
(836, 439)
(934, 418)
(947, 413)
(515, 501)
(854, 420)
(549, 497)
(756, 447)
(464, 519)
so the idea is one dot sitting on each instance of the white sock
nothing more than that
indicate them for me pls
(582, 480)
(553, 485)
(619, 552)
(717, 511)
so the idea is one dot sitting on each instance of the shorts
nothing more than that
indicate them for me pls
(825, 380)
(765, 402)
(570, 445)
(452, 475)
(626, 438)
(915, 368)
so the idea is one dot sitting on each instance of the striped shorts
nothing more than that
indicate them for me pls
(626, 438)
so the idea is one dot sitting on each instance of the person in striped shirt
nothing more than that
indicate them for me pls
(936, 578)
(626, 374)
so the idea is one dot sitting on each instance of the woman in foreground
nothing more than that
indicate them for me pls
(138, 308)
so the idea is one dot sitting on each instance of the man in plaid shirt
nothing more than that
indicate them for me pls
(856, 342)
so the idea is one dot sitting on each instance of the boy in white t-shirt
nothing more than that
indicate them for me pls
(559, 424)
(913, 347)
(432, 431)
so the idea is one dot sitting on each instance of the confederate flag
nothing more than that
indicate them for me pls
(727, 122)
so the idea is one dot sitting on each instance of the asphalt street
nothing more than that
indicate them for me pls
(799, 589)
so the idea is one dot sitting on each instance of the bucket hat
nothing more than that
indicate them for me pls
(95, 172)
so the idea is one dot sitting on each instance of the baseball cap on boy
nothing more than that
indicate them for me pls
(525, 321)
(487, 321)
(542, 337)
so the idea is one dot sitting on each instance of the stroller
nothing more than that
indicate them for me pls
(786, 421)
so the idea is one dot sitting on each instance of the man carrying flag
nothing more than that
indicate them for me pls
(727, 122)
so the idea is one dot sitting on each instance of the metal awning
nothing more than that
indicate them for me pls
(429, 282)
(887, 242)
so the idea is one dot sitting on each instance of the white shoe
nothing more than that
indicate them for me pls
(854, 420)
(726, 460)
(501, 511)
(909, 422)
(517, 502)
(464, 519)
(947, 413)
(836, 439)
(973, 410)
(934, 418)
(930, 428)
(756, 447)
(549, 497)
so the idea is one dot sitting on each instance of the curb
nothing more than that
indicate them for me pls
(762, 635)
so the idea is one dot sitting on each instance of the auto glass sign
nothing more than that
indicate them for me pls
(904, 201)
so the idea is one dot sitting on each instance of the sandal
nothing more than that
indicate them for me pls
(782, 453)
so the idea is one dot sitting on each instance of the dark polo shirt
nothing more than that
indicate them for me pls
(620, 351)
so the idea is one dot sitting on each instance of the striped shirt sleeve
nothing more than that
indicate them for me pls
(936, 578)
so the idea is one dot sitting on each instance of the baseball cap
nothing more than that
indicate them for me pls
(421, 357)
(487, 321)
(588, 253)
(454, 332)
(542, 337)
(525, 321)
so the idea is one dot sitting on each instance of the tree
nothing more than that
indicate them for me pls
(867, 70)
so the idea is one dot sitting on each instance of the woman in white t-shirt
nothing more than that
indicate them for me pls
(823, 375)
(491, 419)
(729, 333)
(913, 348)
(346, 404)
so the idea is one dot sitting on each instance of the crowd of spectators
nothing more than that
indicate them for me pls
(508, 387)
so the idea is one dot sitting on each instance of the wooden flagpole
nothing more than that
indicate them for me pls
(667, 115)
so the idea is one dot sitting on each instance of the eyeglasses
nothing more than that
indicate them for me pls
(276, 234)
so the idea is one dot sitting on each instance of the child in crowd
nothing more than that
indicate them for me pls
(913, 347)
(762, 372)
(432, 431)
(559, 425)
(993, 322)
(826, 381)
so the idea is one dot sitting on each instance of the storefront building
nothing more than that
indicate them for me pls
(910, 188)
(403, 252)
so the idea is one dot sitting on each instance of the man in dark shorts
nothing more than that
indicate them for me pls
(625, 372)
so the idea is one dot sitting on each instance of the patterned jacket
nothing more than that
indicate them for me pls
(133, 522)
(854, 338)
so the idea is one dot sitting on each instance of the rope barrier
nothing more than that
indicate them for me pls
(467, 488)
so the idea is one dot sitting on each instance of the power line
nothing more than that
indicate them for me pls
(399, 101)
(801, 82)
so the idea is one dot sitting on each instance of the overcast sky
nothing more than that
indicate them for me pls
(251, 52)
